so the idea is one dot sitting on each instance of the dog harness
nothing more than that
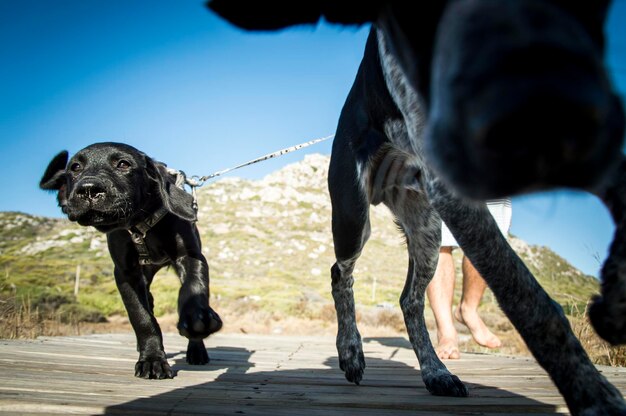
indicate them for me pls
(139, 236)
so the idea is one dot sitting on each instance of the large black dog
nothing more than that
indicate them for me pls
(149, 223)
(510, 97)
(372, 162)
(379, 156)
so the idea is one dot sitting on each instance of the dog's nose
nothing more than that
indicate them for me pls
(91, 190)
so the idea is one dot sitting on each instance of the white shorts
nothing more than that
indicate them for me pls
(501, 211)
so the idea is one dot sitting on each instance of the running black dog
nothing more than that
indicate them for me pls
(378, 156)
(150, 223)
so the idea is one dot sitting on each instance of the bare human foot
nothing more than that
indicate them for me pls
(481, 334)
(447, 348)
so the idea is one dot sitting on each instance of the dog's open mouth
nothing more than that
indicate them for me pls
(108, 211)
(92, 217)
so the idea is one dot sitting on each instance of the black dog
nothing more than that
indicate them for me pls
(149, 223)
(510, 97)
(372, 162)
(377, 157)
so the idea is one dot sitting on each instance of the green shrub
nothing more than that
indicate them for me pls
(107, 303)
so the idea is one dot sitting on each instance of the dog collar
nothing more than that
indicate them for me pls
(139, 236)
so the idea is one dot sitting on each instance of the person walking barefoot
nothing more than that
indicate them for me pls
(440, 291)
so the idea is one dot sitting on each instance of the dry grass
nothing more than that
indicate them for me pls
(19, 319)
(599, 350)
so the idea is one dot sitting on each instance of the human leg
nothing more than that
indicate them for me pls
(467, 313)
(440, 293)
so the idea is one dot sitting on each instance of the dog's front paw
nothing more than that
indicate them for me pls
(196, 353)
(351, 358)
(197, 323)
(443, 383)
(153, 368)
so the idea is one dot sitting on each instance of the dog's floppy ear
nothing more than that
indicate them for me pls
(53, 179)
(273, 14)
(175, 199)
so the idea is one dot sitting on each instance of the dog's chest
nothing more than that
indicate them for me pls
(129, 252)
(148, 249)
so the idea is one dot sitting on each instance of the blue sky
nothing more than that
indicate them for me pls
(187, 88)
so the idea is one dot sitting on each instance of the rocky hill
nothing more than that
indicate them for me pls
(269, 247)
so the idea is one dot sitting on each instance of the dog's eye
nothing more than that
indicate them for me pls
(123, 164)
(76, 167)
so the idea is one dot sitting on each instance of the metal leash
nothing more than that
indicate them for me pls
(197, 181)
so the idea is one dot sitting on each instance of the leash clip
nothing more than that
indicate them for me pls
(194, 182)
(137, 237)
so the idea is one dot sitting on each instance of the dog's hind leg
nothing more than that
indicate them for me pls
(351, 229)
(422, 228)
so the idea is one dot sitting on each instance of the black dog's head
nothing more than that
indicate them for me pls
(113, 185)
(517, 93)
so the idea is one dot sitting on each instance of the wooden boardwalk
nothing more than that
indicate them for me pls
(260, 375)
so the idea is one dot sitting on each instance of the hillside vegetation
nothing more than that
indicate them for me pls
(269, 247)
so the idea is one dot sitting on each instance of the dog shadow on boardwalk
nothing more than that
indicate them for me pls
(389, 387)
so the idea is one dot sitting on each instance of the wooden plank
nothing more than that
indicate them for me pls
(260, 375)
